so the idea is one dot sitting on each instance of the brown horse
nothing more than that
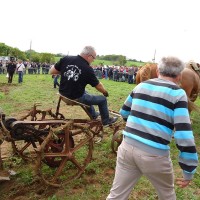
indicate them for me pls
(146, 72)
(190, 81)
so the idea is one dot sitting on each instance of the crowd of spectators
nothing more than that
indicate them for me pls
(116, 73)
(30, 67)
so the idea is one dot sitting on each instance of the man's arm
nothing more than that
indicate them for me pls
(53, 70)
(101, 89)
(184, 138)
(126, 108)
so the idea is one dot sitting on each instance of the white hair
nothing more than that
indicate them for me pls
(88, 50)
(170, 66)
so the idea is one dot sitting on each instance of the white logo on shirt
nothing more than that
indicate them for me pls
(72, 72)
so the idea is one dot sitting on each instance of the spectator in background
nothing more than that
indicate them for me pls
(135, 74)
(130, 75)
(55, 80)
(48, 66)
(105, 72)
(25, 65)
(34, 66)
(4, 67)
(29, 67)
(20, 71)
(38, 68)
(110, 73)
(1, 66)
(43, 68)
(115, 74)
(11, 67)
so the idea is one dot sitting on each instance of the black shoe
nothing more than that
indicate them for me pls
(111, 121)
(97, 114)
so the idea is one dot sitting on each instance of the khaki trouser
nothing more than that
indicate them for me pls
(132, 163)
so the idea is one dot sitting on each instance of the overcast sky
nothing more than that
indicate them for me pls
(133, 28)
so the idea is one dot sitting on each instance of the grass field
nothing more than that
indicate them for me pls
(110, 63)
(95, 183)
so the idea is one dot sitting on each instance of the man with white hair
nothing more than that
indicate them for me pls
(76, 73)
(155, 111)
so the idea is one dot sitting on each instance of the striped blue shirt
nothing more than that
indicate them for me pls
(155, 111)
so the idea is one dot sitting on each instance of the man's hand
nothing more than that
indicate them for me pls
(181, 182)
(105, 94)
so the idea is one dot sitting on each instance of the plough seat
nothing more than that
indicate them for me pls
(72, 102)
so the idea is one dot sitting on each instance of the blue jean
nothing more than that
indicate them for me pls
(99, 100)
(55, 81)
(130, 79)
(10, 76)
(20, 76)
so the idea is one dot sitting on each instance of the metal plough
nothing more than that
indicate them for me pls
(59, 148)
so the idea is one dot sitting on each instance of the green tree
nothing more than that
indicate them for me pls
(122, 60)
(4, 49)
(29, 54)
(22, 55)
(47, 57)
(10, 51)
(36, 57)
(17, 54)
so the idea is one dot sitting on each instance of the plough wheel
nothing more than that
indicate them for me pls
(69, 158)
(26, 149)
(54, 146)
(116, 140)
(20, 148)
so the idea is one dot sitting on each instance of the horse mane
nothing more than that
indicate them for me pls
(146, 72)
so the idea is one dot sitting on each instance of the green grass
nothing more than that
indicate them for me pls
(110, 63)
(96, 181)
